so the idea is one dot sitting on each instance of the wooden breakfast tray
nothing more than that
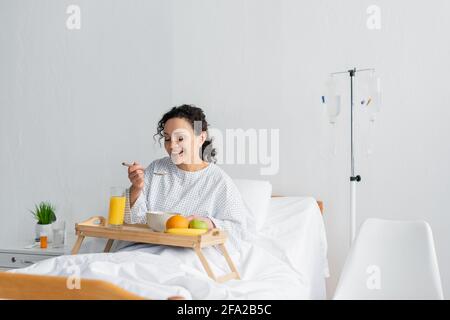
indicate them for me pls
(97, 227)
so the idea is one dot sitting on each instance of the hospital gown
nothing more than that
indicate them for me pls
(208, 192)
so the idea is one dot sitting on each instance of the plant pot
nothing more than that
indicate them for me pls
(47, 228)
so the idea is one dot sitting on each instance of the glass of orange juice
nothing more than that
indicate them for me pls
(117, 206)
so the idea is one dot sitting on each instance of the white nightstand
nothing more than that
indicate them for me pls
(15, 256)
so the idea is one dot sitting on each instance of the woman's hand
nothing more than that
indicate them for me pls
(207, 220)
(136, 176)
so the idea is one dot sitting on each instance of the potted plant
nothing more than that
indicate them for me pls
(44, 213)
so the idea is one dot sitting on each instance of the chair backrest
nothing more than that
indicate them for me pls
(391, 260)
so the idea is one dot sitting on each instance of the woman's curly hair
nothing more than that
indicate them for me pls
(191, 113)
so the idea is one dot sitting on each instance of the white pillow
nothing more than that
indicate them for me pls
(256, 195)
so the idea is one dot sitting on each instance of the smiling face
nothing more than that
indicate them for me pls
(180, 142)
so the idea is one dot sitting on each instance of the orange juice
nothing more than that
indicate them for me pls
(116, 210)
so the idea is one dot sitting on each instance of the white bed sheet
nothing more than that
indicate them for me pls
(285, 260)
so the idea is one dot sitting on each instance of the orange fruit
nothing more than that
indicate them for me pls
(177, 221)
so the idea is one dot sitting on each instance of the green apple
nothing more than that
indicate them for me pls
(198, 224)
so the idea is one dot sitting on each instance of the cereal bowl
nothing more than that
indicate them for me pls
(156, 220)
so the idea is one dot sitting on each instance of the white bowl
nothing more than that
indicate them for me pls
(156, 220)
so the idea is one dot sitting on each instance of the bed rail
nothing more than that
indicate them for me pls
(37, 287)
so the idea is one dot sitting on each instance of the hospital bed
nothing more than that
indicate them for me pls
(269, 261)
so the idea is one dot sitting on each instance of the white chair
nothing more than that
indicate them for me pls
(391, 260)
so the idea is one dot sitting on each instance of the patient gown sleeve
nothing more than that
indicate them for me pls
(230, 213)
(137, 213)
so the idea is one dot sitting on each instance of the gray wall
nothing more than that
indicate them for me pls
(263, 64)
(74, 104)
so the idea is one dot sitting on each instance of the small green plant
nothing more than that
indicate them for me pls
(44, 213)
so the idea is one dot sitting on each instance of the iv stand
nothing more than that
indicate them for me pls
(353, 179)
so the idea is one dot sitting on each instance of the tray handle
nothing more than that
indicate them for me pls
(94, 221)
(215, 232)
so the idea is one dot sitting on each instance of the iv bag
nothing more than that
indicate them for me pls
(333, 100)
(373, 107)
(375, 96)
(333, 107)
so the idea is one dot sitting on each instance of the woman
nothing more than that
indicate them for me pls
(187, 181)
